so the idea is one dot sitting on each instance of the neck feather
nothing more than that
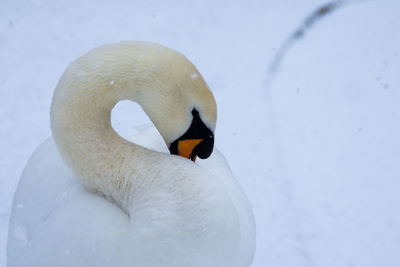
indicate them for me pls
(81, 124)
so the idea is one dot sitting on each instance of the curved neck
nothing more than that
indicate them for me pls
(81, 126)
(81, 122)
(159, 79)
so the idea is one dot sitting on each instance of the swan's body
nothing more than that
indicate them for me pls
(150, 208)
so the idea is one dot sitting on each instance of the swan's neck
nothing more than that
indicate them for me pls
(82, 130)
(81, 124)
(157, 78)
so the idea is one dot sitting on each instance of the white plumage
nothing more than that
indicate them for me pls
(146, 208)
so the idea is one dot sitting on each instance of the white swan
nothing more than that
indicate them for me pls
(147, 208)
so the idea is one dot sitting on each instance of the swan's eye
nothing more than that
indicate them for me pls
(197, 141)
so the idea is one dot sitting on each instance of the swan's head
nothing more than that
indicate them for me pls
(185, 114)
(180, 103)
(186, 121)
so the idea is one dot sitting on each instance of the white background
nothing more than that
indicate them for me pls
(317, 151)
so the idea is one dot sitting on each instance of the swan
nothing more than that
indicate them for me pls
(88, 197)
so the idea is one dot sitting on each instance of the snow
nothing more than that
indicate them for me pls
(317, 152)
(194, 76)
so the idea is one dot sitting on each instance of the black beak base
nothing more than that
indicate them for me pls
(197, 130)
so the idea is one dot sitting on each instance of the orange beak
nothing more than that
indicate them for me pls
(185, 148)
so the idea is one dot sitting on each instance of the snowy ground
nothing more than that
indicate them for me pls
(318, 151)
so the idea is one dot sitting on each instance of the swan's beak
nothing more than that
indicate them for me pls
(186, 147)
(197, 141)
